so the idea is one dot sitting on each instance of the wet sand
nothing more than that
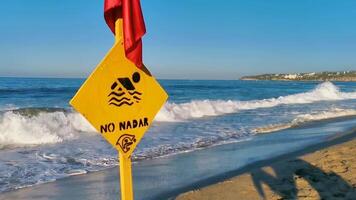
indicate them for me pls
(325, 174)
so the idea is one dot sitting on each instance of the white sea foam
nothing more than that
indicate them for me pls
(172, 112)
(305, 118)
(17, 129)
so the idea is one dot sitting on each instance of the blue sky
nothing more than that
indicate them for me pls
(186, 39)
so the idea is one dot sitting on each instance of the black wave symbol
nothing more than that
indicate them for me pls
(119, 100)
(135, 92)
(136, 97)
(116, 94)
(120, 104)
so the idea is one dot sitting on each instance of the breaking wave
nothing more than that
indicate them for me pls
(305, 118)
(172, 112)
(34, 126)
(40, 126)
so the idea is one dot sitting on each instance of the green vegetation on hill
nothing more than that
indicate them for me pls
(314, 76)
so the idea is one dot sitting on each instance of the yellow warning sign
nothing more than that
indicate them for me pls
(120, 100)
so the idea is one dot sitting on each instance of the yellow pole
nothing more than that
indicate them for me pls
(119, 30)
(125, 163)
(125, 178)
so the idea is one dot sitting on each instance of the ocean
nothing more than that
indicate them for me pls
(42, 139)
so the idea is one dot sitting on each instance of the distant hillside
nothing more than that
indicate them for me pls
(314, 76)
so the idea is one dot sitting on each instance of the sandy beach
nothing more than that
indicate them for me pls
(325, 174)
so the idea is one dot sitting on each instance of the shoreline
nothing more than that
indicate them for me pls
(326, 173)
(165, 178)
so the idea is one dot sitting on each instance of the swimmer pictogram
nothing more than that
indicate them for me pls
(125, 94)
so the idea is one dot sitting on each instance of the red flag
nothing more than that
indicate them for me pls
(133, 25)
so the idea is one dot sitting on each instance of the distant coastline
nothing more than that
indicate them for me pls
(313, 76)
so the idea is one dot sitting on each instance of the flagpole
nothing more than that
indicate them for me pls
(125, 163)
(119, 33)
(125, 177)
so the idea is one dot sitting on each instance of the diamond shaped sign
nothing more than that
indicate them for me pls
(120, 100)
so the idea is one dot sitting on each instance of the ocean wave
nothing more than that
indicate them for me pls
(306, 118)
(34, 126)
(173, 112)
(40, 126)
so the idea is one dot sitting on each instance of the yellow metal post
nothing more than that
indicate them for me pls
(119, 34)
(125, 178)
(125, 163)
